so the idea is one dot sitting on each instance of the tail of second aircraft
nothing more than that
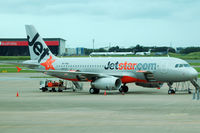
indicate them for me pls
(37, 47)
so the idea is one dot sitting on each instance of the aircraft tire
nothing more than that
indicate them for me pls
(171, 91)
(94, 91)
(97, 91)
(125, 88)
(189, 91)
(120, 90)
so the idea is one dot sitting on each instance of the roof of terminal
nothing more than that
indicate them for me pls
(24, 39)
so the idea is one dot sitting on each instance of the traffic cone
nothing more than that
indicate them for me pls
(17, 94)
(105, 93)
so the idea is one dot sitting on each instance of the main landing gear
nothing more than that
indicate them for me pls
(123, 88)
(171, 91)
(94, 91)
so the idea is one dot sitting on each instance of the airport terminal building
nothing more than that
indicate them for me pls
(19, 46)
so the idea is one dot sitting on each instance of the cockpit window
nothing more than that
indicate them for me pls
(186, 65)
(181, 65)
(176, 65)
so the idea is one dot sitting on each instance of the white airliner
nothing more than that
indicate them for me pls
(143, 53)
(111, 53)
(107, 73)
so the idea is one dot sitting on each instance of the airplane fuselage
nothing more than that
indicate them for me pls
(164, 69)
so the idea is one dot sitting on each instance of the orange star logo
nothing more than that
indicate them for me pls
(48, 64)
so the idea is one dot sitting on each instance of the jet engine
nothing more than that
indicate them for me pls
(107, 83)
(150, 84)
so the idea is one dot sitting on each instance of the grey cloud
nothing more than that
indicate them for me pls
(114, 9)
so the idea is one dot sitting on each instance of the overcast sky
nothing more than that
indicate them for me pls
(116, 22)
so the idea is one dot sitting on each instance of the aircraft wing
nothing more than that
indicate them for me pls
(82, 76)
(21, 63)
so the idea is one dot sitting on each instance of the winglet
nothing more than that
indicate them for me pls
(18, 69)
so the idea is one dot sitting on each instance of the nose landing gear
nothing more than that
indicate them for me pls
(171, 90)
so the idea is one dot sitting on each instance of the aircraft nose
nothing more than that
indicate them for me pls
(193, 73)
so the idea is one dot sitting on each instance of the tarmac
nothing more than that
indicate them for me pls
(141, 110)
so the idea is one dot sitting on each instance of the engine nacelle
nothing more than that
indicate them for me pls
(107, 83)
(150, 85)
